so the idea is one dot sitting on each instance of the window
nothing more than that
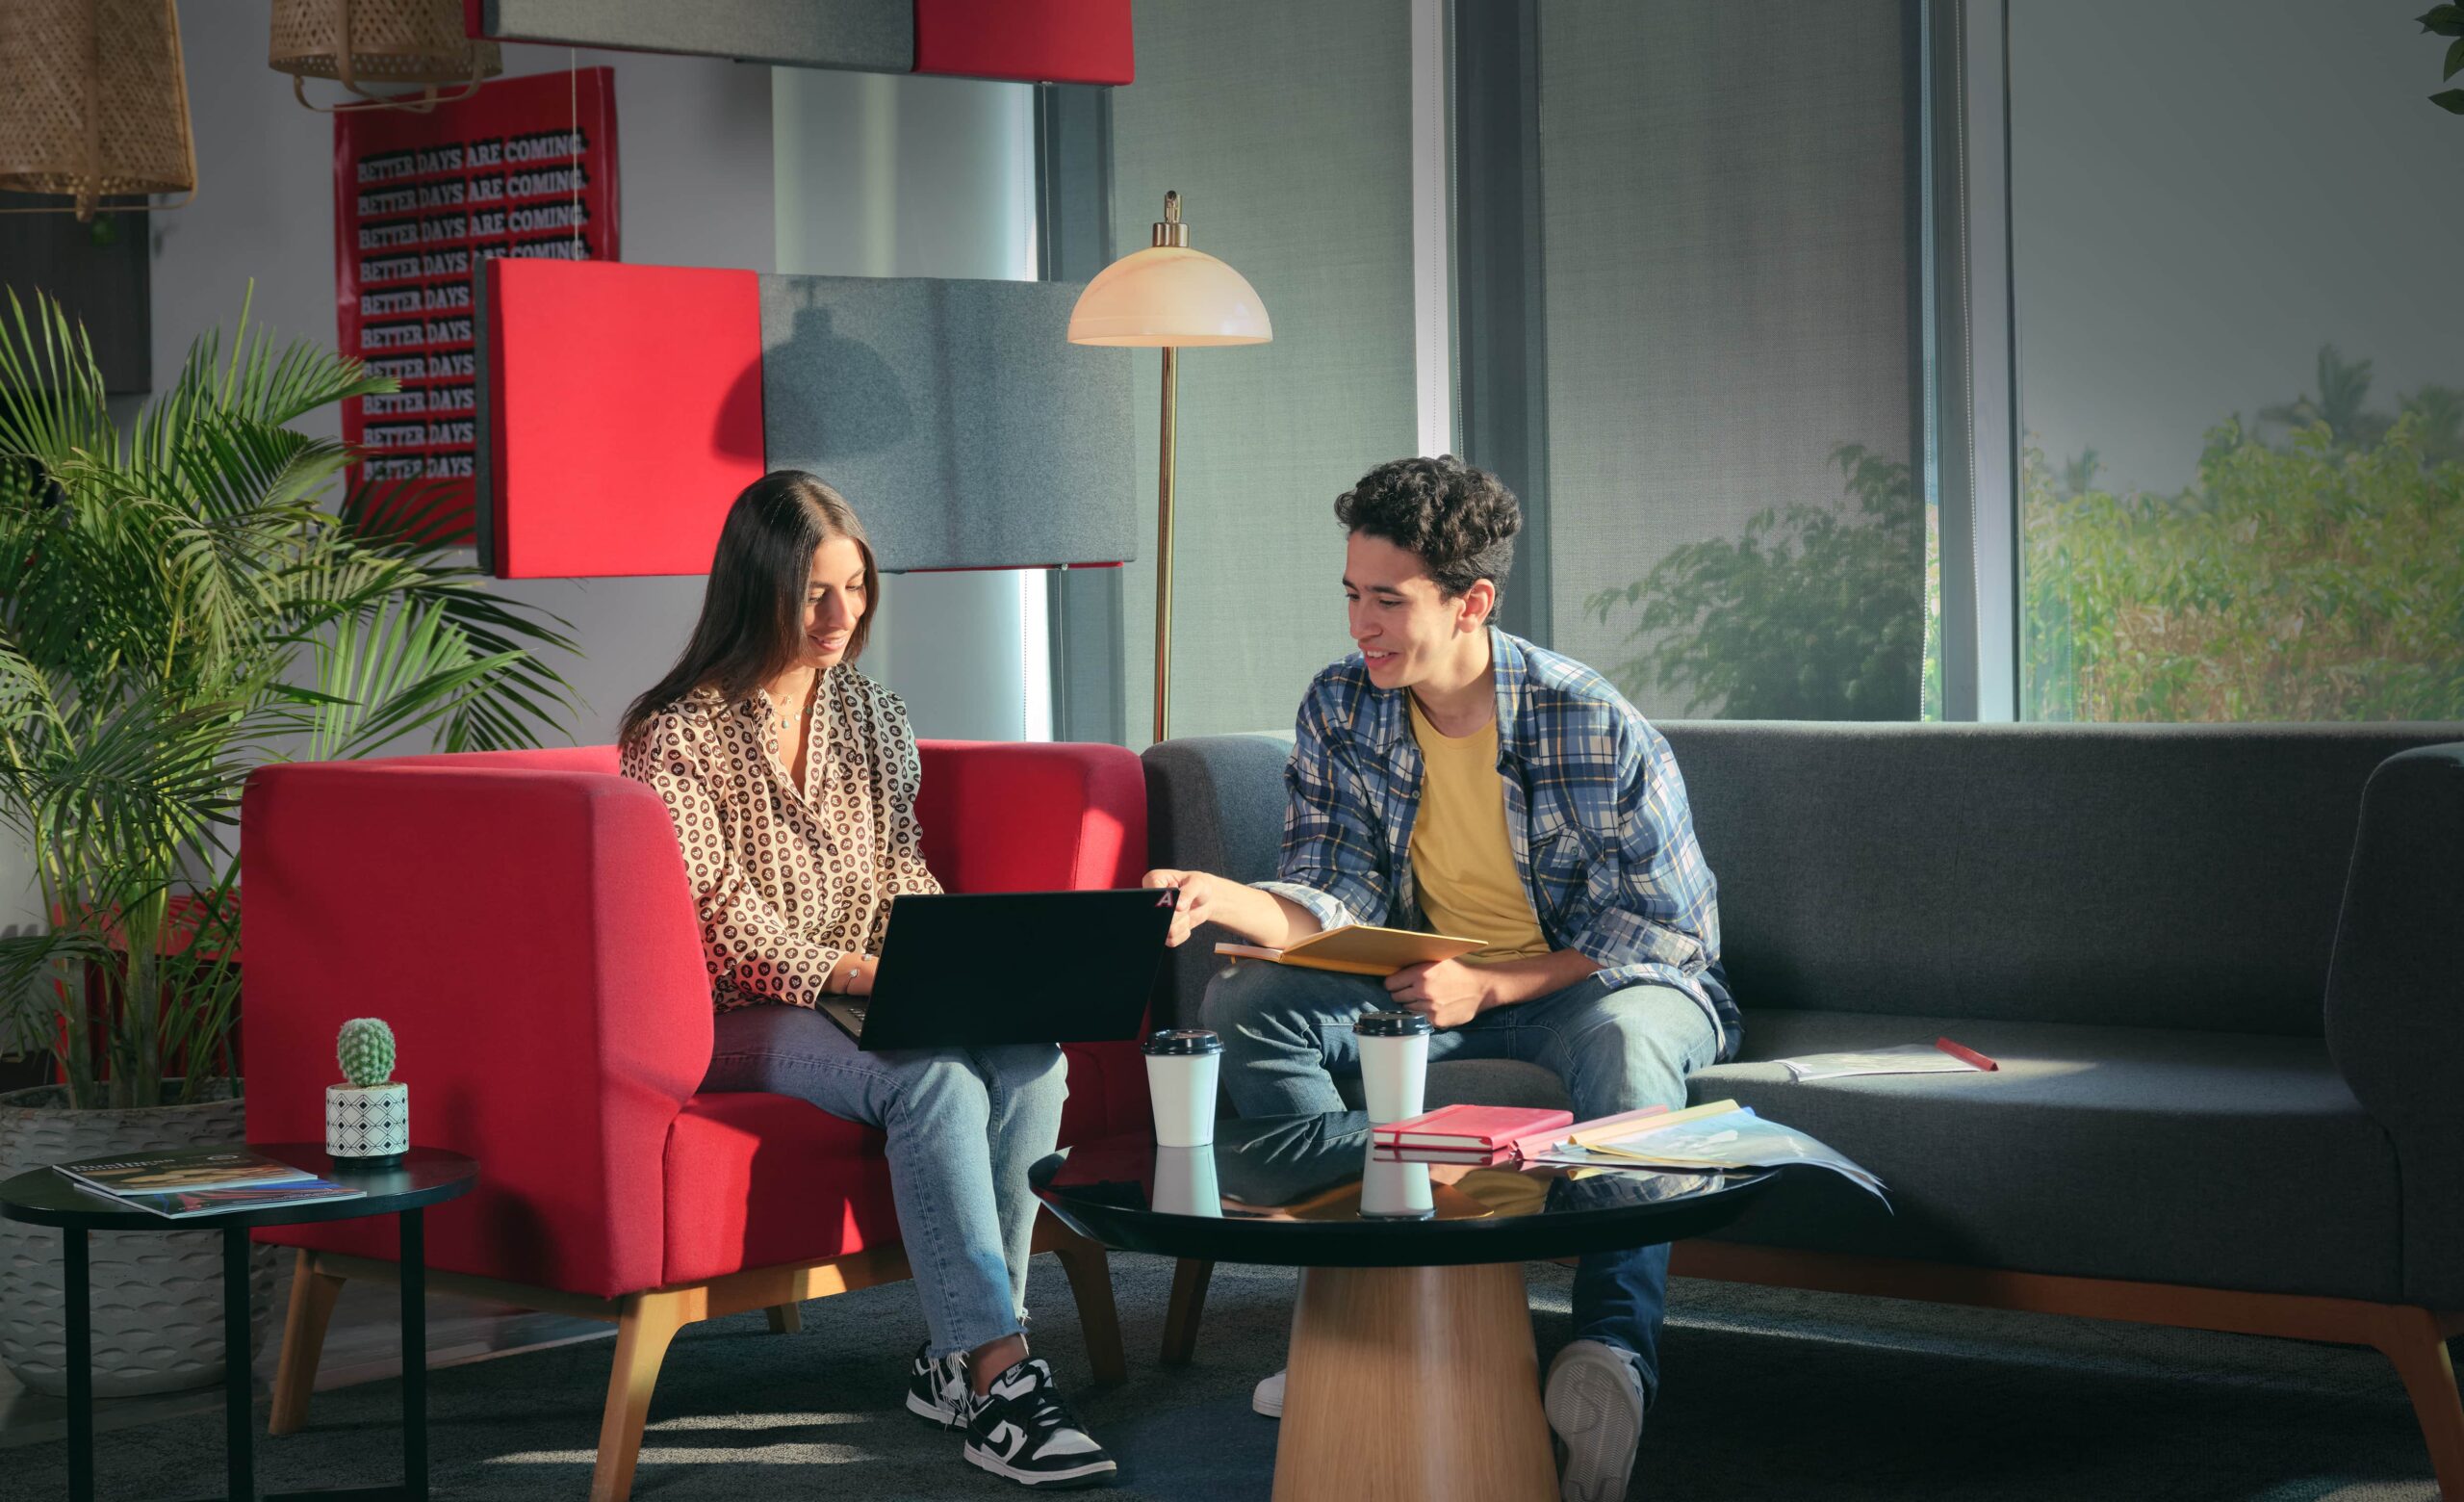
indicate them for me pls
(2242, 398)
(1692, 336)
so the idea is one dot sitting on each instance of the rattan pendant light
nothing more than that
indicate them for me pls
(93, 102)
(357, 43)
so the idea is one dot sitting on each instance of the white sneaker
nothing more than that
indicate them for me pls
(1267, 1398)
(1595, 1403)
(1020, 1429)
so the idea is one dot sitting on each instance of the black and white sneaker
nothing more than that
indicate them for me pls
(1021, 1428)
(938, 1389)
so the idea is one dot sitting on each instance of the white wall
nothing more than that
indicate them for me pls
(693, 147)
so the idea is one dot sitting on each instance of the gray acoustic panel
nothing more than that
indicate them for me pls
(864, 36)
(956, 416)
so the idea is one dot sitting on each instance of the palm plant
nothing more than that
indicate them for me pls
(2344, 389)
(181, 603)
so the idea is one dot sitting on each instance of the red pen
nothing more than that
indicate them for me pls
(1964, 1054)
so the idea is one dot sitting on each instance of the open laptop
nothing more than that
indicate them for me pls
(966, 969)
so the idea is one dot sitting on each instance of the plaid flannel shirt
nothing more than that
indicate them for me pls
(1595, 809)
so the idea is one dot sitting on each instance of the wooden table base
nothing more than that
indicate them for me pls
(1413, 1385)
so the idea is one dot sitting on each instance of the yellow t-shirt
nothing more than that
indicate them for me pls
(1462, 858)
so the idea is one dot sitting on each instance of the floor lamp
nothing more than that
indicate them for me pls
(1167, 297)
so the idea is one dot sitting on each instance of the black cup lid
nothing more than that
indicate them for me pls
(1391, 1025)
(1182, 1041)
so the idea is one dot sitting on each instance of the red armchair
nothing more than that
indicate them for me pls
(521, 921)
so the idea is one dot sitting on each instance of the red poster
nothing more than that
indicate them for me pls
(526, 166)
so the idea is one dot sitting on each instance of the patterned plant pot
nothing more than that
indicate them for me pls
(368, 1125)
(156, 1296)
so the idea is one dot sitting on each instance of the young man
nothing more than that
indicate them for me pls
(1454, 778)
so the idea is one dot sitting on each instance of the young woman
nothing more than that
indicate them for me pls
(792, 779)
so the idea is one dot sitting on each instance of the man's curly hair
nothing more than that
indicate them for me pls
(1460, 521)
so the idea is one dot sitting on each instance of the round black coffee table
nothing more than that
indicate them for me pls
(425, 1177)
(1413, 1373)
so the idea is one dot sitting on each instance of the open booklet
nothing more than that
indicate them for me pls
(1359, 949)
(1719, 1135)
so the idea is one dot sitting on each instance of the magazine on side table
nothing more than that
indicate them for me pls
(195, 1182)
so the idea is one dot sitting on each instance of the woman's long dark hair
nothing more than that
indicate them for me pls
(753, 613)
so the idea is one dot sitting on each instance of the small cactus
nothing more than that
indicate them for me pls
(366, 1050)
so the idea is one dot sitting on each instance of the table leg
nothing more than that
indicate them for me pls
(1413, 1383)
(414, 1265)
(81, 1363)
(413, 1322)
(239, 1428)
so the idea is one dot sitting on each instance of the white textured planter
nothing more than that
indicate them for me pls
(157, 1295)
(371, 1123)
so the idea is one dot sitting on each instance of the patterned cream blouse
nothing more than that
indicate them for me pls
(788, 881)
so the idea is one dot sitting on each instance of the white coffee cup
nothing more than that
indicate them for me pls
(1391, 1189)
(1394, 1063)
(1181, 1066)
(1185, 1182)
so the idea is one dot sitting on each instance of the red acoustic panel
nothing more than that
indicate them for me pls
(624, 413)
(1036, 42)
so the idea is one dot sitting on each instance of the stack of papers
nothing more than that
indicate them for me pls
(1725, 1135)
(1944, 1057)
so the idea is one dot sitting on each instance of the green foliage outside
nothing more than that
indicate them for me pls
(2314, 571)
(2315, 576)
(1815, 612)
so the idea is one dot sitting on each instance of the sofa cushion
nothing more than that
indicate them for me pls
(1975, 870)
(2225, 1159)
(2160, 876)
(2236, 1160)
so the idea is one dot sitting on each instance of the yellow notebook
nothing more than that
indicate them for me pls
(1603, 1138)
(1359, 949)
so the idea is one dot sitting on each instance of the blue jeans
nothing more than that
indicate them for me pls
(1287, 1033)
(964, 1125)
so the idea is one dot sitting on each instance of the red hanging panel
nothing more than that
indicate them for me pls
(624, 415)
(1036, 42)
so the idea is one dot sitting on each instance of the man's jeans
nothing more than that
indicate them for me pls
(964, 1125)
(1288, 1031)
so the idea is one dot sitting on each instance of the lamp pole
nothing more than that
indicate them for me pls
(1163, 298)
(1163, 549)
(1170, 233)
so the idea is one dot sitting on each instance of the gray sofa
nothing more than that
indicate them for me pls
(2223, 968)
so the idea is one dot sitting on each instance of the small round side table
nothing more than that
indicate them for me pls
(425, 1177)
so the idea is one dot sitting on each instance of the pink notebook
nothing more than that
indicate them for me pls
(1486, 1128)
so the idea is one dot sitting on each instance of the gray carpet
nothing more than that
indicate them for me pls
(1768, 1394)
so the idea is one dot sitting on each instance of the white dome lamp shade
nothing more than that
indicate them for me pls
(1169, 296)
